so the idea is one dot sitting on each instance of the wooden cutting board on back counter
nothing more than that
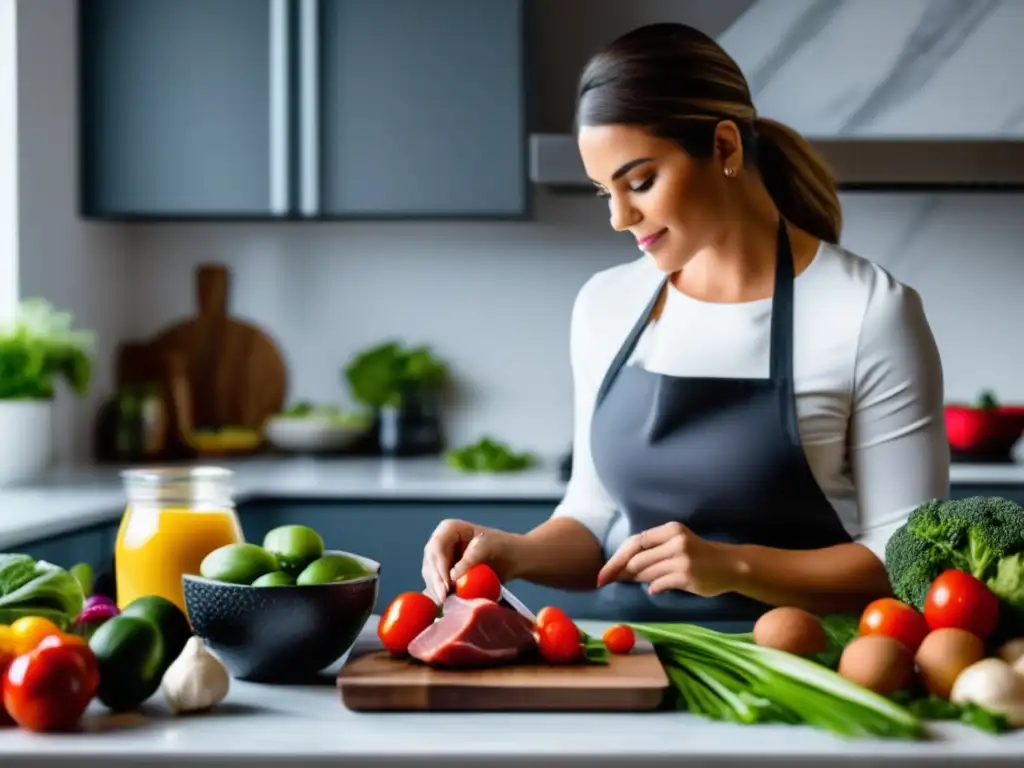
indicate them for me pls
(236, 374)
(376, 681)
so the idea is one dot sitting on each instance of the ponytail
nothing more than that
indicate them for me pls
(798, 179)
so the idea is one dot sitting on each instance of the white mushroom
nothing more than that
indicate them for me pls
(993, 685)
(1011, 651)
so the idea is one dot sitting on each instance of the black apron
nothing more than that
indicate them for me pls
(722, 456)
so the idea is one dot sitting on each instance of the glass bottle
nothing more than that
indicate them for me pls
(174, 517)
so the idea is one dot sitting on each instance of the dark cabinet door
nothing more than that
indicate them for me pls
(184, 108)
(420, 111)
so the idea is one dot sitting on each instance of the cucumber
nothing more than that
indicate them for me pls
(169, 619)
(131, 655)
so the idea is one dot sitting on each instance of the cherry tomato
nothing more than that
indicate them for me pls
(548, 614)
(8, 643)
(619, 639)
(478, 581)
(893, 618)
(29, 630)
(408, 614)
(559, 642)
(957, 599)
(47, 689)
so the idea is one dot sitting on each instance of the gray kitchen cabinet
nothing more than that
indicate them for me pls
(394, 533)
(422, 109)
(303, 109)
(93, 545)
(183, 108)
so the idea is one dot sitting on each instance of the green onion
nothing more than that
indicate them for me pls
(727, 677)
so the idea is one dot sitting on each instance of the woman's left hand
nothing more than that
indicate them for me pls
(672, 556)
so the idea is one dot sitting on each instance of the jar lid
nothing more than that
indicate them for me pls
(174, 474)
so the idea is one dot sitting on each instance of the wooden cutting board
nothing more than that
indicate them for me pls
(376, 681)
(236, 374)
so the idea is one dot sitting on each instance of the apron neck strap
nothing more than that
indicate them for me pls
(781, 367)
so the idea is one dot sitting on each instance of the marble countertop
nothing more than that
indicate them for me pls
(69, 499)
(308, 725)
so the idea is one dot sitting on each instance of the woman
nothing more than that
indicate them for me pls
(756, 408)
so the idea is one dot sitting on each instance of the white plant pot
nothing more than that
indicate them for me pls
(26, 444)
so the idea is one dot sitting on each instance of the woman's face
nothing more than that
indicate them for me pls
(670, 203)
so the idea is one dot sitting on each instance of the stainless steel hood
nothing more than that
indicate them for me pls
(915, 95)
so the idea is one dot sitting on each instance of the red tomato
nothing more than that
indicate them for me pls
(893, 618)
(5, 661)
(408, 614)
(957, 599)
(548, 614)
(80, 646)
(47, 689)
(478, 581)
(559, 642)
(619, 639)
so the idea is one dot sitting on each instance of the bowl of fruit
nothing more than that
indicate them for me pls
(283, 611)
(308, 428)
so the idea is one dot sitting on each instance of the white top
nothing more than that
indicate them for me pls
(868, 380)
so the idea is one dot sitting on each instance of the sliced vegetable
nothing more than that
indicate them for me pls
(405, 617)
(479, 581)
(894, 618)
(957, 599)
(728, 677)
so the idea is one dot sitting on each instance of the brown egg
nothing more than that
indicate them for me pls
(792, 630)
(943, 655)
(877, 663)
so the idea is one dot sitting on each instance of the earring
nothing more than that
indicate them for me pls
(730, 172)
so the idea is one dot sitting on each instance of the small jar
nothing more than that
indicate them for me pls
(174, 518)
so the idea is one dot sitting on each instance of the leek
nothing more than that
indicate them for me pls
(727, 677)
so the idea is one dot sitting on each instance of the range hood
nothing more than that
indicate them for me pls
(915, 95)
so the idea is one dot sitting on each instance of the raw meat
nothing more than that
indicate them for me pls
(474, 633)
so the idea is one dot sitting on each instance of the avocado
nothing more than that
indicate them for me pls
(168, 618)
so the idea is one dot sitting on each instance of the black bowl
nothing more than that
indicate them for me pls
(280, 634)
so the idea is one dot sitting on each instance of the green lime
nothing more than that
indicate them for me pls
(294, 546)
(237, 563)
(332, 567)
(275, 579)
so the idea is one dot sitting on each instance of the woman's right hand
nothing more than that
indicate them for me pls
(456, 546)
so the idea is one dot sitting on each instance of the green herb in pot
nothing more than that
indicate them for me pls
(488, 455)
(40, 347)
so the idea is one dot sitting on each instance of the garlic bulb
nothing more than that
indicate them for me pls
(196, 679)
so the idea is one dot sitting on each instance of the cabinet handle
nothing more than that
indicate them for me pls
(309, 106)
(279, 106)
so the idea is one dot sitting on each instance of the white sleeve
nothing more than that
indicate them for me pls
(898, 448)
(585, 499)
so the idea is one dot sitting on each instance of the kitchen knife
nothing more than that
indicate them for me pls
(516, 604)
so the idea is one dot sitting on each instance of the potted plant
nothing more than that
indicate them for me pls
(37, 348)
(402, 386)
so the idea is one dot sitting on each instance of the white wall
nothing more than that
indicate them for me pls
(8, 160)
(492, 298)
(79, 266)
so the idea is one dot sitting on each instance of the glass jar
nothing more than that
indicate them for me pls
(173, 519)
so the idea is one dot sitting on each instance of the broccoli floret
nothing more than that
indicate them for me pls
(979, 535)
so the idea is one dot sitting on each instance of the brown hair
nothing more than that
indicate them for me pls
(679, 83)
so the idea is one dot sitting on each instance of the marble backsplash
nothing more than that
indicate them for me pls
(884, 67)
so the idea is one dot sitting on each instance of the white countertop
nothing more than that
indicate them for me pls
(69, 499)
(308, 725)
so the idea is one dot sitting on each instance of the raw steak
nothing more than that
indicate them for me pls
(473, 633)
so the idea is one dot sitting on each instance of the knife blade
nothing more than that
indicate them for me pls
(516, 604)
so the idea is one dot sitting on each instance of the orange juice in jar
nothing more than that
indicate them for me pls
(173, 519)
